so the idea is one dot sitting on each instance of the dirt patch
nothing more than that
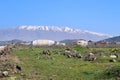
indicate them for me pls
(9, 63)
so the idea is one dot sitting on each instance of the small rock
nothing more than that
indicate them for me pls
(5, 73)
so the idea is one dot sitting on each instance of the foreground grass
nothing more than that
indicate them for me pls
(57, 67)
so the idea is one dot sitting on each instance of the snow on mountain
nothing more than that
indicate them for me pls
(49, 32)
(63, 29)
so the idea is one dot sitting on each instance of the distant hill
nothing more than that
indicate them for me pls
(113, 39)
(10, 42)
(67, 41)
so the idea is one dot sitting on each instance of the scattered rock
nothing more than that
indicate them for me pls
(5, 73)
(18, 68)
(112, 60)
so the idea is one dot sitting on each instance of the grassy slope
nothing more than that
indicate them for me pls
(57, 67)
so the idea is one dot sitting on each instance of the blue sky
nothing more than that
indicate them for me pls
(93, 15)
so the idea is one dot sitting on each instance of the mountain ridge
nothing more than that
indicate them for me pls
(61, 29)
(29, 33)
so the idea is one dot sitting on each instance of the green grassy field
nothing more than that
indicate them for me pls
(59, 67)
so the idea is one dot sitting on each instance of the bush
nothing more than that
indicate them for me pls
(111, 73)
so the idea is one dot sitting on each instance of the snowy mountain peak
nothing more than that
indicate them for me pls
(29, 33)
(47, 28)
(61, 29)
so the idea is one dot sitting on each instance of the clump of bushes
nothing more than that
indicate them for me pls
(111, 73)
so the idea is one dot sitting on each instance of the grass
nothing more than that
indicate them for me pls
(80, 49)
(57, 66)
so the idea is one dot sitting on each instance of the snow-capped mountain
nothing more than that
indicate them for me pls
(30, 33)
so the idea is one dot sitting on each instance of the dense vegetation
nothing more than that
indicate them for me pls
(38, 66)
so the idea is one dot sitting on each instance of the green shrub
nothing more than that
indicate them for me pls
(111, 73)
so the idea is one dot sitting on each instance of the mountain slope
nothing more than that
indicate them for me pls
(113, 39)
(29, 33)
